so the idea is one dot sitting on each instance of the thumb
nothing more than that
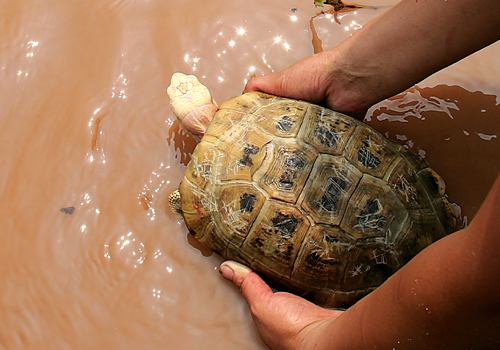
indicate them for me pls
(284, 321)
(252, 287)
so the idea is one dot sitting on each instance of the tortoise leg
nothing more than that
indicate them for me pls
(174, 200)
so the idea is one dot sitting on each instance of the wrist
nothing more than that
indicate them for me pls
(352, 84)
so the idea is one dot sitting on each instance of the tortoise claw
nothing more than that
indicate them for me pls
(174, 200)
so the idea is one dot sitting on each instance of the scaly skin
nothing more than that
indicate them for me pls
(192, 104)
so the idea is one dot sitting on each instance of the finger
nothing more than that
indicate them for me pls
(252, 287)
(270, 83)
(253, 84)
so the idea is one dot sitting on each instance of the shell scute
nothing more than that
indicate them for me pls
(239, 205)
(277, 235)
(282, 118)
(370, 152)
(407, 186)
(245, 150)
(286, 169)
(369, 265)
(197, 207)
(328, 189)
(373, 211)
(204, 166)
(245, 104)
(325, 248)
(425, 228)
(326, 130)
(224, 124)
(435, 185)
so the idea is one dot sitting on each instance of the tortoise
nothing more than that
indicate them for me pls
(317, 202)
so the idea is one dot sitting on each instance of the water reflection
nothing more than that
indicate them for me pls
(149, 194)
(411, 104)
(447, 125)
(183, 143)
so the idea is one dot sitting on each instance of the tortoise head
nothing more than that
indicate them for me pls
(174, 200)
(192, 104)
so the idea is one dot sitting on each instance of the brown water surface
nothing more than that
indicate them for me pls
(90, 255)
(455, 130)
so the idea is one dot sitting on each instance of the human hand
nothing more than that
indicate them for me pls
(321, 79)
(284, 321)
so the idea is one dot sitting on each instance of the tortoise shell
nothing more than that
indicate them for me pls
(317, 202)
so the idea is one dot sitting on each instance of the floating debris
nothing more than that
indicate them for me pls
(337, 4)
(68, 210)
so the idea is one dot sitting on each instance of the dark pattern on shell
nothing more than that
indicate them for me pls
(285, 124)
(330, 239)
(326, 136)
(314, 258)
(285, 224)
(247, 201)
(248, 151)
(292, 166)
(368, 159)
(333, 191)
(369, 217)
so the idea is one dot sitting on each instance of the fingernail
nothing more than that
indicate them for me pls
(229, 268)
(226, 272)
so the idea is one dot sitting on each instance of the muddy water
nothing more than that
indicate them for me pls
(90, 256)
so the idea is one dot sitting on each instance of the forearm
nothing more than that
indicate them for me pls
(448, 297)
(406, 44)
